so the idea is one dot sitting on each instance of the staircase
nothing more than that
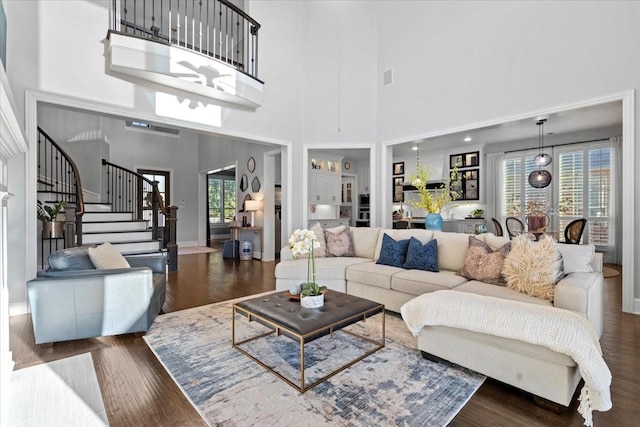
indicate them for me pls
(129, 196)
(129, 235)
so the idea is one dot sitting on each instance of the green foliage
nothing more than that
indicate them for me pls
(47, 213)
(477, 212)
(311, 290)
(432, 201)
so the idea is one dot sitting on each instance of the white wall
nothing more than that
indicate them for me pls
(81, 136)
(179, 156)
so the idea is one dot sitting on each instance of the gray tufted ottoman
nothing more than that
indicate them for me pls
(285, 316)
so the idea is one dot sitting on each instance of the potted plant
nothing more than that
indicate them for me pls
(432, 201)
(304, 242)
(477, 213)
(52, 218)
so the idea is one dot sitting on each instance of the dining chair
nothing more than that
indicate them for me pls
(497, 227)
(537, 221)
(514, 226)
(402, 224)
(573, 231)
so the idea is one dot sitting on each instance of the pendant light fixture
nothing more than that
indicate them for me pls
(540, 178)
(542, 159)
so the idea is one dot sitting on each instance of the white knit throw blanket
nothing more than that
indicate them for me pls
(560, 330)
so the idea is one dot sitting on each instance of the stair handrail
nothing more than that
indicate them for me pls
(123, 190)
(79, 198)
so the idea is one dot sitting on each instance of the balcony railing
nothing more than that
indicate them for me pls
(215, 28)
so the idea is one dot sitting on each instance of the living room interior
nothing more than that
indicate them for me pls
(353, 119)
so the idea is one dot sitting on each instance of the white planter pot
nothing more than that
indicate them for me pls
(312, 302)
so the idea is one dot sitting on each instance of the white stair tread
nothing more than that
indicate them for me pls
(112, 237)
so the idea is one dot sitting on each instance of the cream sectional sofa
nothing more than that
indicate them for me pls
(532, 368)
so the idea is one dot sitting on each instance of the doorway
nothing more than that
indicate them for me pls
(163, 178)
(221, 202)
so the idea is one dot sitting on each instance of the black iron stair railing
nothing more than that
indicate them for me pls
(58, 176)
(216, 28)
(129, 191)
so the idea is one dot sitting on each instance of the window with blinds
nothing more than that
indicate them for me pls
(580, 188)
(519, 197)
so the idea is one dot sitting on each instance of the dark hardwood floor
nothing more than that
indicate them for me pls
(137, 391)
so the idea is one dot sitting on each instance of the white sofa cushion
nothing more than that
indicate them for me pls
(452, 248)
(418, 282)
(496, 242)
(364, 241)
(326, 268)
(372, 274)
(576, 258)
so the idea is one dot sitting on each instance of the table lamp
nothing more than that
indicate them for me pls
(253, 206)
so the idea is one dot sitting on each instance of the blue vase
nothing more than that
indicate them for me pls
(433, 221)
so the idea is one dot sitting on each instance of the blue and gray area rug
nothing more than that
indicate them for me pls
(394, 386)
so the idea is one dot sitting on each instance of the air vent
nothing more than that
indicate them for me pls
(138, 125)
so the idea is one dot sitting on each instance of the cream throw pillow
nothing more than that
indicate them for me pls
(533, 268)
(577, 258)
(106, 256)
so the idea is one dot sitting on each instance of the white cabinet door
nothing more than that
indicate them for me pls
(317, 188)
(333, 188)
(363, 177)
(325, 188)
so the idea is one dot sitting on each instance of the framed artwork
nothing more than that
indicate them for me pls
(455, 160)
(398, 168)
(468, 185)
(464, 160)
(255, 185)
(398, 190)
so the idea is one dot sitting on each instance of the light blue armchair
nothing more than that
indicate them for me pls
(73, 300)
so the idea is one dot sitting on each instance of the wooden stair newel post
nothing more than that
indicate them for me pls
(172, 246)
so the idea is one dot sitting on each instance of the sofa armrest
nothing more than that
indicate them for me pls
(584, 294)
(88, 304)
(157, 263)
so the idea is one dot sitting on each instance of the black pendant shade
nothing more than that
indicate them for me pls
(540, 179)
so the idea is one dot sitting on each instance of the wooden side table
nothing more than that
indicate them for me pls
(235, 235)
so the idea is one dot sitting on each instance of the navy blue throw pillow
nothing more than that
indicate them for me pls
(391, 252)
(422, 257)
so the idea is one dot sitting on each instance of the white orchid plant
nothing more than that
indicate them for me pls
(304, 242)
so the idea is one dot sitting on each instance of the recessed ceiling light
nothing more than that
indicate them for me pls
(467, 139)
(414, 148)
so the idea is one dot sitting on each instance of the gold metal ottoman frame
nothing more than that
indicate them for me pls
(301, 338)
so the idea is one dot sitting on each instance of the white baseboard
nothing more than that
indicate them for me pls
(188, 244)
(17, 308)
(636, 306)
